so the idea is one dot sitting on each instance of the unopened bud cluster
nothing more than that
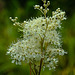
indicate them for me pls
(41, 40)
(45, 9)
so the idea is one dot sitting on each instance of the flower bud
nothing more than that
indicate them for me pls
(44, 5)
(36, 6)
(47, 9)
(10, 17)
(16, 17)
(48, 3)
(41, 8)
(44, 1)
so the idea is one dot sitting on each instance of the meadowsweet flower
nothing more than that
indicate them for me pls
(41, 39)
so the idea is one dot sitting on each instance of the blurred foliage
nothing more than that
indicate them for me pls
(24, 10)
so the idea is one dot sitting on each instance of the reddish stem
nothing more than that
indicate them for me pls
(30, 68)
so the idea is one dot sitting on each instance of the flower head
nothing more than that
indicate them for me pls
(41, 39)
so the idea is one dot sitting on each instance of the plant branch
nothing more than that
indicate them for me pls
(31, 69)
(40, 65)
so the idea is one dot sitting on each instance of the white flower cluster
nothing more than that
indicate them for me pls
(41, 40)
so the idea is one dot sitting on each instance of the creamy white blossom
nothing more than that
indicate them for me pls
(41, 39)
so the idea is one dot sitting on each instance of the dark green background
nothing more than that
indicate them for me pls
(23, 9)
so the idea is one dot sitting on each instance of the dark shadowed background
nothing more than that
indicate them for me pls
(23, 9)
